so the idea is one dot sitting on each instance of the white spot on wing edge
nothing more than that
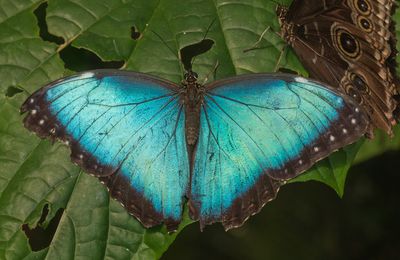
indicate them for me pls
(301, 80)
(86, 75)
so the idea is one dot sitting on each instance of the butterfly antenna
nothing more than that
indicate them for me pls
(169, 48)
(204, 37)
(255, 45)
(214, 71)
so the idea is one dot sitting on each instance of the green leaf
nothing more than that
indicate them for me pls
(379, 145)
(28, 181)
(25, 59)
(333, 170)
(104, 27)
(35, 173)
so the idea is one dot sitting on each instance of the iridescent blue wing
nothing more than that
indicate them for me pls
(257, 131)
(125, 128)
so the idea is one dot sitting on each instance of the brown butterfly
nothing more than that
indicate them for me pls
(351, 44)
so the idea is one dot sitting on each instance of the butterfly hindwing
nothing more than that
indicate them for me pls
(258, 131)
(125, 128)
(349, 44)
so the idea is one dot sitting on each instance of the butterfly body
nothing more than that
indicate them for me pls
(192, 99)
(226, 147)
(349, 44)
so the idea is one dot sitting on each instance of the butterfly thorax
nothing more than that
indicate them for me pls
(192, 98)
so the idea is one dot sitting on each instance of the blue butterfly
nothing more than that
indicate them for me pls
(226, 147)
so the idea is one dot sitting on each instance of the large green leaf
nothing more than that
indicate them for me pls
(35, 173)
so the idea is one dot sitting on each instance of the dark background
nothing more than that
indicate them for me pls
(309, 221)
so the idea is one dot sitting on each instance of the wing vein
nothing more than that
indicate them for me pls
(240, 127)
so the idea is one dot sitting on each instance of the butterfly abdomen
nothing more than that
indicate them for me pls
(192, 127)
(192, 113)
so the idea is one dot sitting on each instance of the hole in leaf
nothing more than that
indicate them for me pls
(40, 238)
(78, 59)
(189, 52)
(74, 58)
(135, 34)
(12, 91)
(40, 14)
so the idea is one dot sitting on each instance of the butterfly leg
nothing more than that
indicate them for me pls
(278, 62)
(213, 71)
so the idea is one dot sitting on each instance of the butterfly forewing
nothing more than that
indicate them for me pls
(125, 128)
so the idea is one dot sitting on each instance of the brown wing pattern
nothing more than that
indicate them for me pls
(351, 44)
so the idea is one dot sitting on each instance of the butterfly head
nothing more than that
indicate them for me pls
(191, 76)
